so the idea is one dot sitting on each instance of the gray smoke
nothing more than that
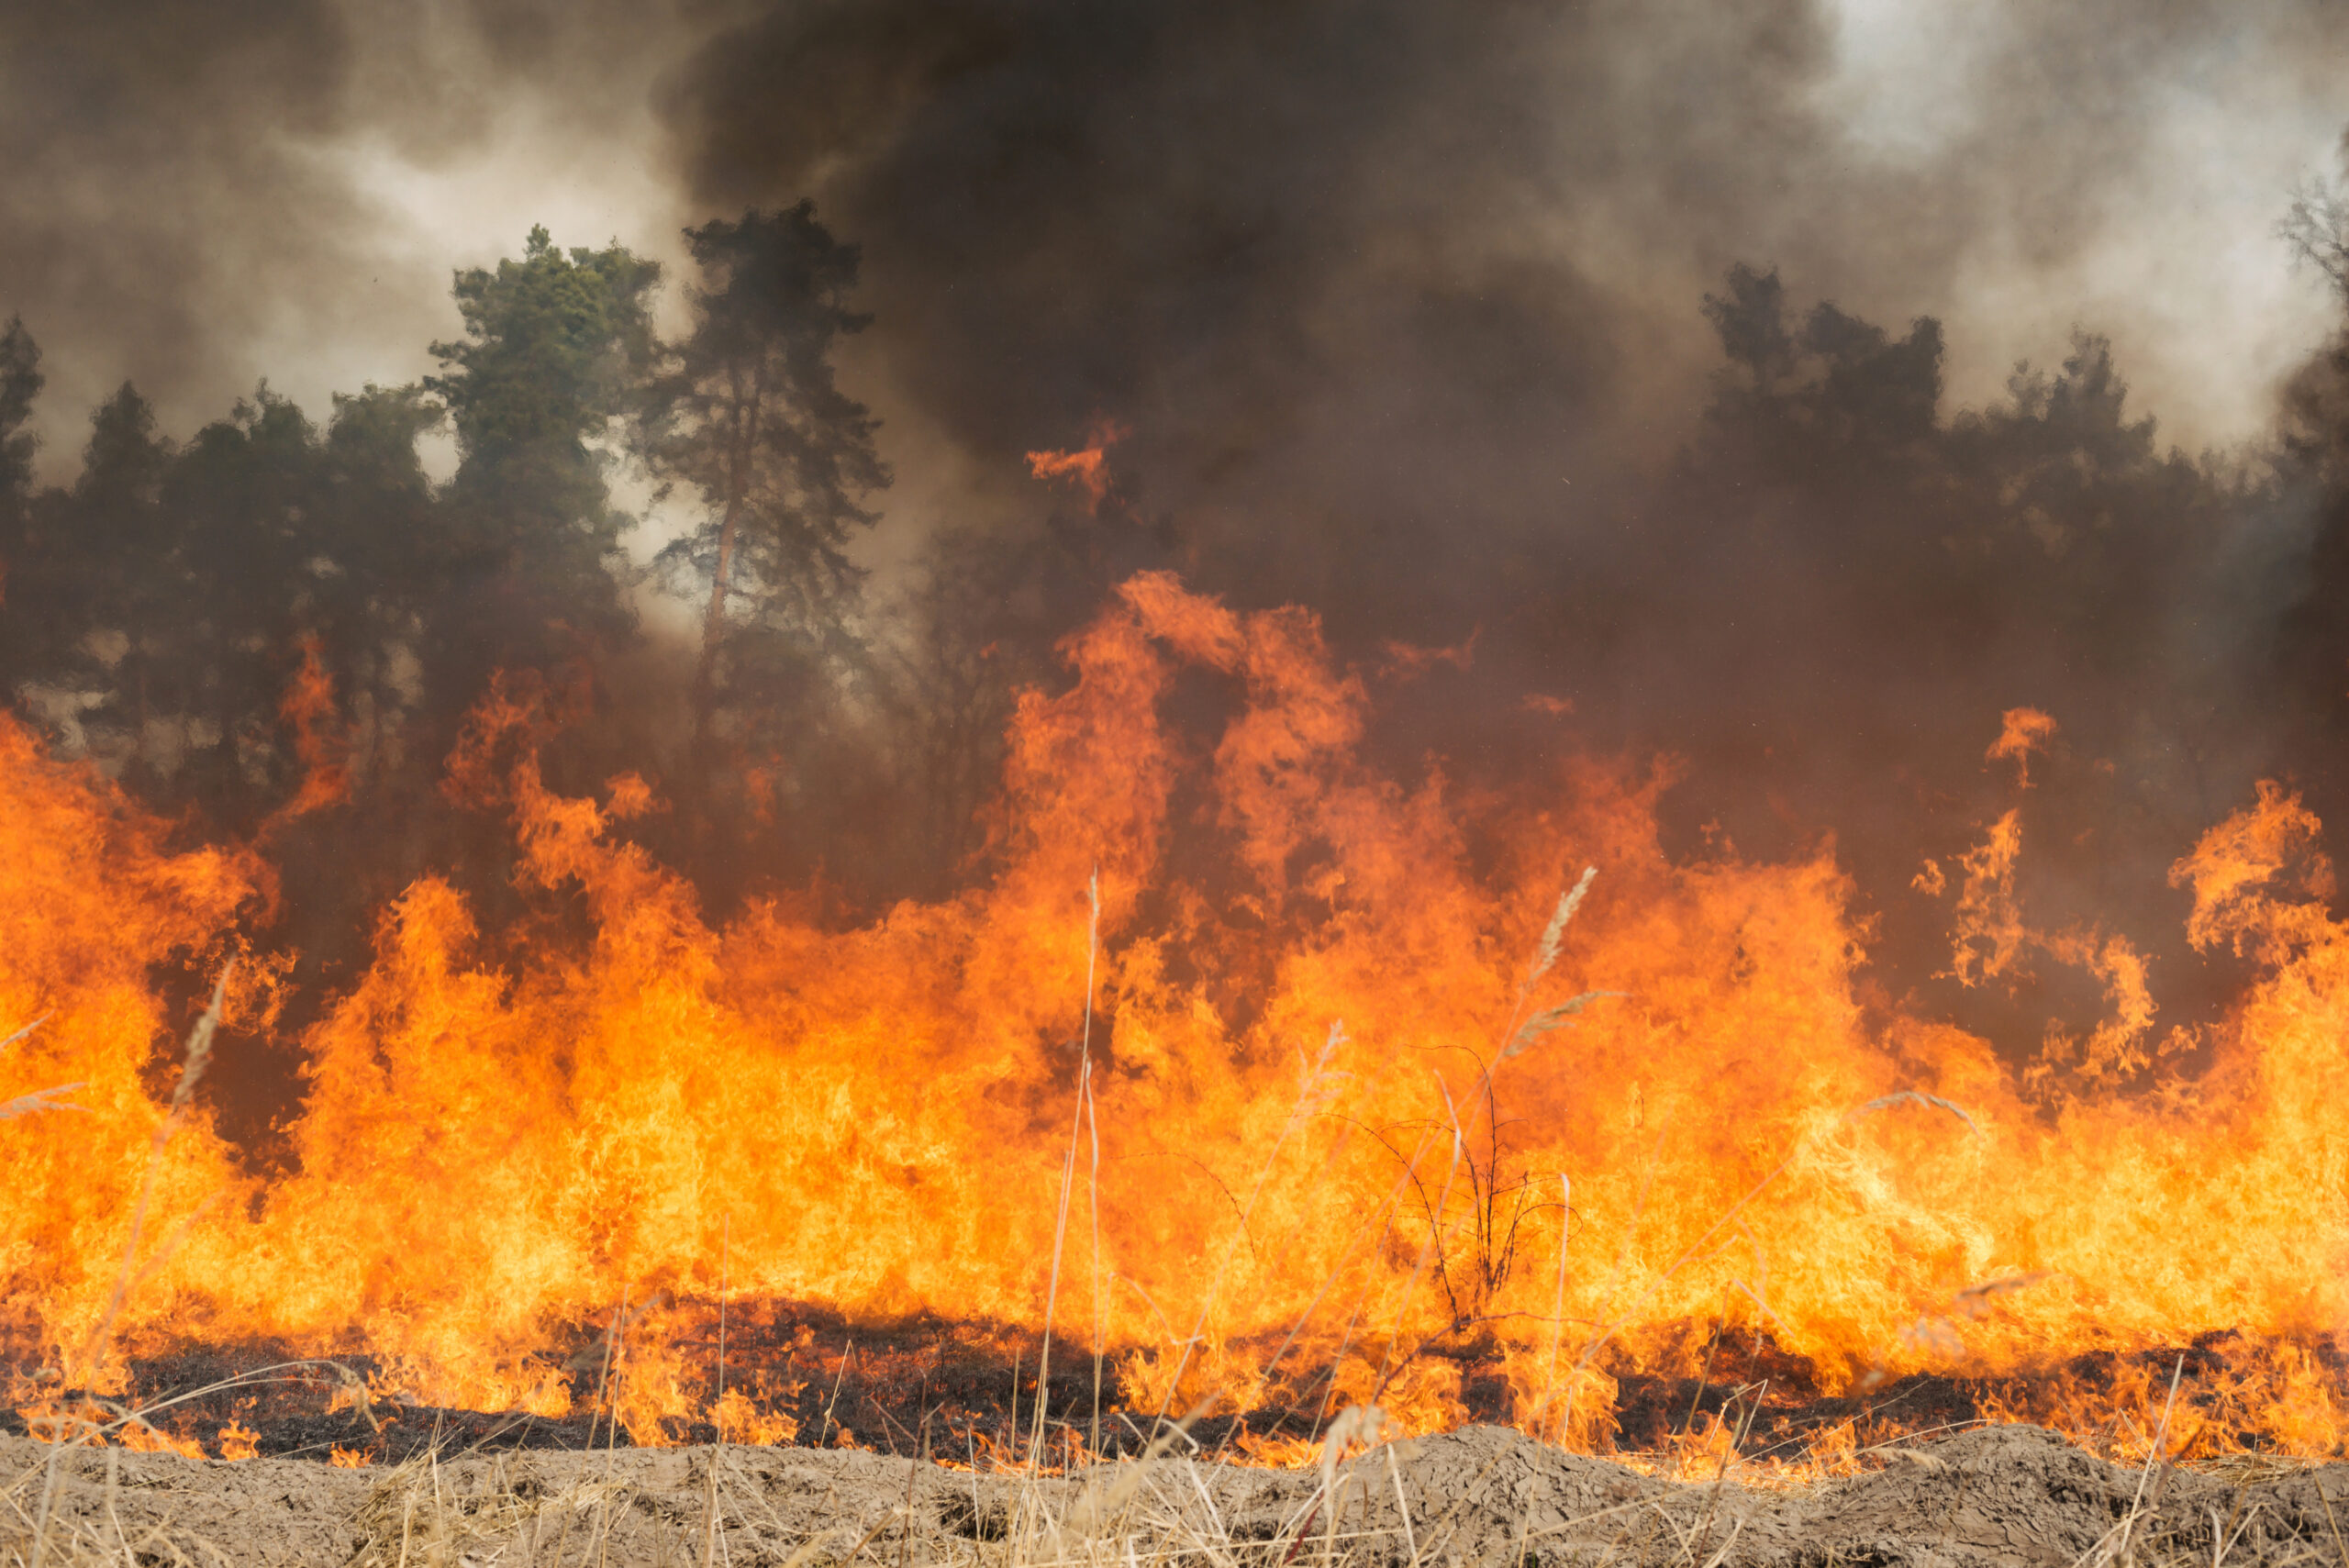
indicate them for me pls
(1376, 274)
(1326, 259)
(1401, 305)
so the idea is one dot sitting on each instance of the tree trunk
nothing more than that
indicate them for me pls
(739, 452)
(712, 624)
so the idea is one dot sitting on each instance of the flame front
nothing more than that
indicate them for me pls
(1334, 1114)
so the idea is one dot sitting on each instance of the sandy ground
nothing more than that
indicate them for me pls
(1484, 1496)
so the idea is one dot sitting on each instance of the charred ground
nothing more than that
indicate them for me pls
(929, 1387)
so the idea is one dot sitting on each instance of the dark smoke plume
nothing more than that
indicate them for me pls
(1381, 287)
(1400, 304)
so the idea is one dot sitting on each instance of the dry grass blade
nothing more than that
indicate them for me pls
(2119, 1544)
(42, 1100)
(2245, 1468)
(197, 1057)
(1550, 1018)
(1068, 1176)
(1918, 1096)
(2334, 1524)
(1093, 1508)
(1722, 1556)
(1555, 932)
(1364, 1424)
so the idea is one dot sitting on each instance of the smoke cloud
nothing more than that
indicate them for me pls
(1368, 269)
(199, 195)
(1400, 305)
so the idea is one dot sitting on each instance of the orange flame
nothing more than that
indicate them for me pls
(1408, 661)
(1088, 466)
(1345, 1127)
(308, 709)
(2024, 730)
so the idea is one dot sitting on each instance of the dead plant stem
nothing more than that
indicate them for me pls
(1068, 1177)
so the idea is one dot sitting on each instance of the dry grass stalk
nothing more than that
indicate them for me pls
(718, 1407)
(195, 1059)
(2118, 1547)
(1166, 1511)
(1068, 1180)
(40, 1100)
(193, 1063)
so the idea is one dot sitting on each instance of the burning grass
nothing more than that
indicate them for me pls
(1027, 1171)
(807, 1377)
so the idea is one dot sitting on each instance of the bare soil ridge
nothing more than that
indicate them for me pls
(1480, 1497)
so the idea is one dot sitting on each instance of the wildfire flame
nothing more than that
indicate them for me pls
(1087, 467)
(308, 709)
(2022, 730)
(1331, 1134)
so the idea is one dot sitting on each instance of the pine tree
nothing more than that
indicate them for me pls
(751, 418)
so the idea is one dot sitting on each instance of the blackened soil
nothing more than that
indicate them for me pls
(923, 1387)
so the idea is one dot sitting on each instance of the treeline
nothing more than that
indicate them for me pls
(1843, 584)
(159, 611)
(1863, 582)
(1838, 584)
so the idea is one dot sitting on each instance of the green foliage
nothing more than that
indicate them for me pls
(553, 344)
(746, 418)
(123, 464)
(555, 351)
(1835, 390)
(20, 384)
(1825, 441)
(750, 417)
(159, 605)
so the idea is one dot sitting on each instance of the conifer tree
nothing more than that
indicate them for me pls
(751, 419)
